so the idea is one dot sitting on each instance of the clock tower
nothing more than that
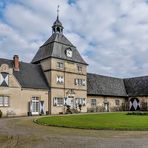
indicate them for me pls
(65, 71)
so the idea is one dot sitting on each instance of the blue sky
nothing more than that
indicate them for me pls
(111, 35)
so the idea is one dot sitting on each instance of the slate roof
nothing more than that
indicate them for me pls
(55, 47)
(29, 76)
(137, 86)
(105, 86)
(57, 22)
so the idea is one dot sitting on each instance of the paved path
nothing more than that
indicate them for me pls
(23, 133)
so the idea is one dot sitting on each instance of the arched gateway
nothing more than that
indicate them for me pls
(134, 104)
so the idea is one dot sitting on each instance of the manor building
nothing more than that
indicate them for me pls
(57, 79)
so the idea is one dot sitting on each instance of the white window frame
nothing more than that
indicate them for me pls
(3, 102)
(60, 65)
(36, 101)
(80, 82)
(81, 101)
(58, 101)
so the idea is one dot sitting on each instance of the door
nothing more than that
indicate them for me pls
(70, 101)
(106, 107)
(35, 106)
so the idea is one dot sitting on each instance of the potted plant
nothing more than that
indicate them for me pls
(68, 110)
(1, 113)
(80, 107)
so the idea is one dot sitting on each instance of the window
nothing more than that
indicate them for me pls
(4, 79)
(58, 101)
(117, 102)
(35, 105)
(81, 101)
(60, 79)
(35, 98)
(79, 68)
(60, 65)
(80, 82)
(1, 101)
(4, 101)
(93, 102)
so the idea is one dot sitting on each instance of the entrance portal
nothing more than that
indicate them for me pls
(134, 104)
(36, 106)
(106, 107)
(70, 101)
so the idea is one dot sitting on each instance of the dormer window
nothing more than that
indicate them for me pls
(4, 79)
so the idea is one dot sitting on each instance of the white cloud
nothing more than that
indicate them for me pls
(111, 35)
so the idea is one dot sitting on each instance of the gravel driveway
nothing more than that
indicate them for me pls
(23, 133)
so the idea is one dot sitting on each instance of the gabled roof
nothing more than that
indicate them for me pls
(137, 86)
(106, 86)
(29, 76)
(55, 47)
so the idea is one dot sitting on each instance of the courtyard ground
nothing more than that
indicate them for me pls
(23, 133)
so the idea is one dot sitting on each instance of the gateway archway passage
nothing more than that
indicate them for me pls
(134, 104)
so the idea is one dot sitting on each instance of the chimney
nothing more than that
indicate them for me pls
(16, 63)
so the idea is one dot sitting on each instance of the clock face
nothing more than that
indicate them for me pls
(69, 52)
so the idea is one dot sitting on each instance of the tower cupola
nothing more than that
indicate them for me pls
(57, 25)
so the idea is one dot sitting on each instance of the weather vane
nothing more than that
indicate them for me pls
(58, 11)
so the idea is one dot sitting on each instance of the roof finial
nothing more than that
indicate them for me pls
(58, 11)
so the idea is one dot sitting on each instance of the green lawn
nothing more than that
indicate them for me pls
(115, 121)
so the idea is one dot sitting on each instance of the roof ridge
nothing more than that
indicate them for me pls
(136, 77)
(19, 61)
(105, 76)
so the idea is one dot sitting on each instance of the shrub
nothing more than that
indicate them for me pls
(100, 108)
(74, 110)
(116, 108)
(95, 109)
(125, 106)
(138, 113)
(1, 113)
(143, 106)
(91, 110)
